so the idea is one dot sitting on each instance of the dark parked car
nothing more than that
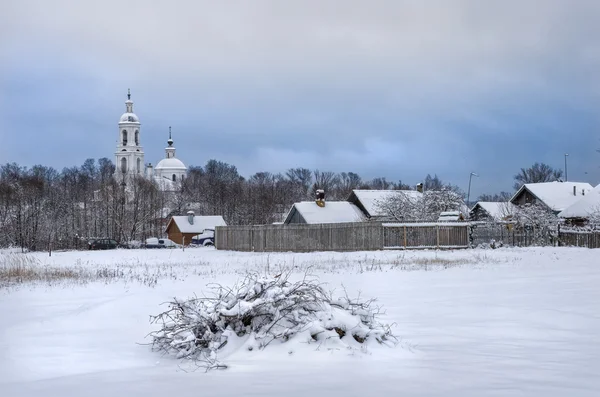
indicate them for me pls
(103, 244)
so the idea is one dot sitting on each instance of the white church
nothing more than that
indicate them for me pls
(129, 157)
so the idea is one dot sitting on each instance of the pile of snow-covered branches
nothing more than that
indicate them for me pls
(265, 309)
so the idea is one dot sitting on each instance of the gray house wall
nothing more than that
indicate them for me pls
(295, 218)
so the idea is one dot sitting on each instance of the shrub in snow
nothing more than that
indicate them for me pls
(265, 310)
(426, 208)
(537, 220)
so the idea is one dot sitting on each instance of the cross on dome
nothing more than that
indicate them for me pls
(129, 116)
(170, 141)
(129, 102)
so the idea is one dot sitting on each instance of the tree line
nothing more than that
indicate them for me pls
(44, 209)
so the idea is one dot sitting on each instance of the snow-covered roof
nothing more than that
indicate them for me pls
(170, 164)
(129, 118)
(165, 184)
(586, 205)
(370, 199)
(450, 216)
(556, 195)
(201, 223)
(496, 210)
(332, 212)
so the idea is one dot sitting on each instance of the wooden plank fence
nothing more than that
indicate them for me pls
(573, 238)
(363, 236)
(518, 236)
(425, 235)
(483, 233)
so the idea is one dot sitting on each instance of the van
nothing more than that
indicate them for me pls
(154, 242)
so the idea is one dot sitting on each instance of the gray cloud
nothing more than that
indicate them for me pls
(396, 88)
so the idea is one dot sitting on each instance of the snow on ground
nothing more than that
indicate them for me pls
(507, 322)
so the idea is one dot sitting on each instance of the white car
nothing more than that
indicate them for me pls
(154, 242)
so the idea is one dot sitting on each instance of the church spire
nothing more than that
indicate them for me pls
(129, 102)
(170, 150)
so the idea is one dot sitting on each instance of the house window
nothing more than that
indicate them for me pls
(174, 177)
(137, 137)
(124, 133)
(123, 165)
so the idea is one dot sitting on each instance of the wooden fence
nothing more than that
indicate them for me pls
(425, 235)
(362, 236)
(573, 238)
(511, 235)
(300, 238)
(519, 236)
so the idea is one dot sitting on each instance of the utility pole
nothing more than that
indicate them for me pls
(469, 192)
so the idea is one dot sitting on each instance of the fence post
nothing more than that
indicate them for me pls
(405, 238)
(437, 232)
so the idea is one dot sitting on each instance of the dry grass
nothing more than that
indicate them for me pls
(17, 269)
(411, 262)
(21, 268)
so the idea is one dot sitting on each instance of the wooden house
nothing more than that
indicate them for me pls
(557, 196)
(311, 212)
(580, 212)
(492, 211)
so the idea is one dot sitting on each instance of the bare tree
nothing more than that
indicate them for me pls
(497, 197)
(325, 180)
(301, 181)
(432, 183)
(348, 181)
(537, 173)
(380, 184)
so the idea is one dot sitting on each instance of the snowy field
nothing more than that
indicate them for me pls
(506, 322)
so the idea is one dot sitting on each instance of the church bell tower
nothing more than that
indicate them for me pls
(129, 157)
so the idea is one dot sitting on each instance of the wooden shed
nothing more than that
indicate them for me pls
(181, 229)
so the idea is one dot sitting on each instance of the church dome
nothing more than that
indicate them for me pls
(170, 164)
(129, 118)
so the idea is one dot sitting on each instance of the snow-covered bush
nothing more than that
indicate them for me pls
(537, 220)
(265, 310)
(403, 207)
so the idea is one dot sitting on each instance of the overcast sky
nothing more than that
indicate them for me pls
(395, 88)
